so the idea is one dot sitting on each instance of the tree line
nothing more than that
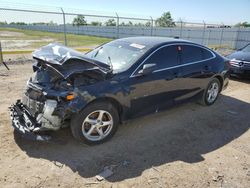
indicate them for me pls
(165, 20)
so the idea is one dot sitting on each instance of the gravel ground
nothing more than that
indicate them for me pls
(186, 146)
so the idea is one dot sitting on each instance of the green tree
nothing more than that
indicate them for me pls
(130, 23)
(96, 23)
(3, 23)
(110, 22)
(140, 24)
(148, 24)
(51, 23)
(242, 24)
(79, 20)
(122, 24)
(18, 23)
(165, 20)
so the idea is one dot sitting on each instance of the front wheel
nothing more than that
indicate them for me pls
(211, 93)
(96, 123)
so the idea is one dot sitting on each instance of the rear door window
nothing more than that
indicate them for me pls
(192, 54)
(165, 57)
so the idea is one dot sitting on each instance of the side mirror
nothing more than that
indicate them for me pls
(147, 69)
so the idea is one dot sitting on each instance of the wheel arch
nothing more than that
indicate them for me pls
(111, 100)
(221, 80)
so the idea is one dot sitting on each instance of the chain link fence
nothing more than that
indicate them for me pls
(43, 25)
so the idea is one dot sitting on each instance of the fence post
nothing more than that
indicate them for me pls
(203, 34)
(152, 26)
(236, 38)
(1, 54)
(64, 28)
(208, 38)
(181, 29)
(221, 35)
(117, 26)
(1, 57)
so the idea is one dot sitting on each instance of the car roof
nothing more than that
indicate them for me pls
(151, 41)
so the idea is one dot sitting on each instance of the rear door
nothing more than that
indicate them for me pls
(196, 69)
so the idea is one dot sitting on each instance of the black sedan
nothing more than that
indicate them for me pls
(240, 62)
(117, 81)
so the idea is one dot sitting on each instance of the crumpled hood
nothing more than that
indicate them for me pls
(55, 53)
(239, 55)
(67, 61)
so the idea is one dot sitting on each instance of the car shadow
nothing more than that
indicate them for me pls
(185, 133)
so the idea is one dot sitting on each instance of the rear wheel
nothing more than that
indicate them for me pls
(96, 123)
(211, 93)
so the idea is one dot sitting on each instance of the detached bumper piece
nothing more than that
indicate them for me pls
(24, 123)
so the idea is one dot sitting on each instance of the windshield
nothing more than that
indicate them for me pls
(246, 49)
(120, 55)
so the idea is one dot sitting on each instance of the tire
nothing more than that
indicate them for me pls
(89, 117)
(205, 97)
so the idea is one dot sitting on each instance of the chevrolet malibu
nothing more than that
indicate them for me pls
(117, 81)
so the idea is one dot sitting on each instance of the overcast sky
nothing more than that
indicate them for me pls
(217, 11)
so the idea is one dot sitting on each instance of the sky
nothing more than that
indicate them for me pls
(213, 11)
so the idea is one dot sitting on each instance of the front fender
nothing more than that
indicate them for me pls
(99, 92)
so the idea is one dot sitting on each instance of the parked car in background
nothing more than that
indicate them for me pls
(117, 81)
(240, 62)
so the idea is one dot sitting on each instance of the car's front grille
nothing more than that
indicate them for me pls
(34, 94)
(33, 99)
(240, 64)
(246, 64)
(35, 107)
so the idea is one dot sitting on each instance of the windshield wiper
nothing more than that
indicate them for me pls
(110, 63)
(97, 51)
(109, 59)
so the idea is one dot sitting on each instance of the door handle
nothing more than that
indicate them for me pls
(206, 67)
(173, 76)
(177, 74)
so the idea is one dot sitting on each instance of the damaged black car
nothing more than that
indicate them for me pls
(117, 81)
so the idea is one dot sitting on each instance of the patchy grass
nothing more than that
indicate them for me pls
(44, 38)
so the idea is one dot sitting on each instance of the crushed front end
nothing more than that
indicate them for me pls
(25, 123)
(52, 94)
(38, 112)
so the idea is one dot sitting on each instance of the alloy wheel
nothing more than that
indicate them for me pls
(97, 125)
(212, 92)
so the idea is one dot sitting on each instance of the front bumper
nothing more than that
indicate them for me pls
(234, 70)
(239, 67)
(24, 123)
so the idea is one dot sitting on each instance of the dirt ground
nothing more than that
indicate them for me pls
(186, 146)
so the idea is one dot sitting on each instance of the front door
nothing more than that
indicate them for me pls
(156, 90)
